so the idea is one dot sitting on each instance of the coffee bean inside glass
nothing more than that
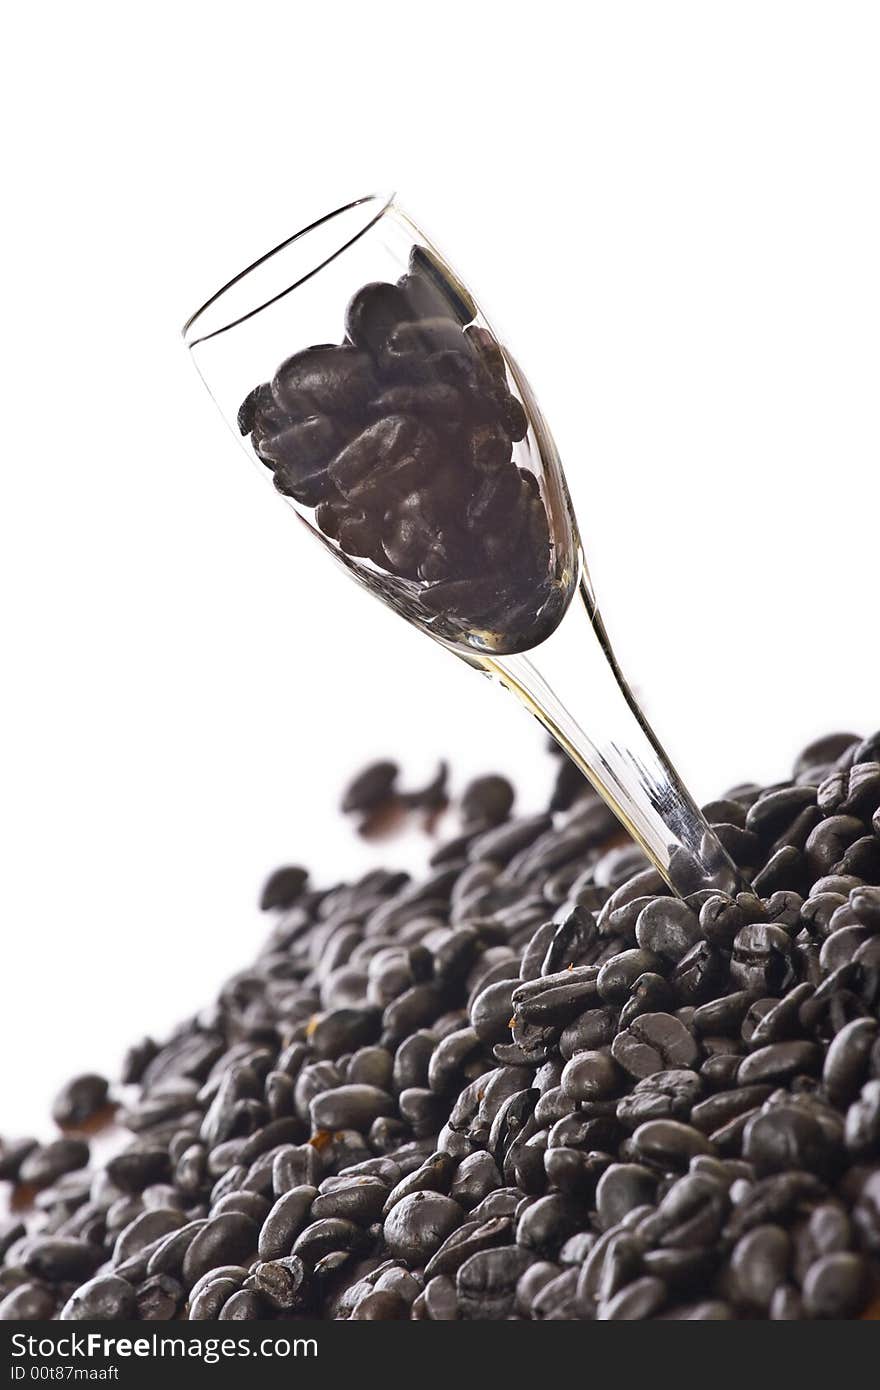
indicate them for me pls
(363, 378)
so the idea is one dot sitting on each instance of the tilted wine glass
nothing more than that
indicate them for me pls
(362, 376)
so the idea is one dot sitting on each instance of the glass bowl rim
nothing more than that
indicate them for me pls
(382, 202)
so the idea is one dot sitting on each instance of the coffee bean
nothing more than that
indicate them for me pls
(27, 1303)
(44, 1164)
(465, 1241)
(487, 801)
(80, 1099)
(637, 1301)
(759, 1263)
(282, 888)
(349, 1107)
(591, 1076)
(418, 1224)
(668, 928)
(207, 1304)
(655, 1042)
(57, 1260)
(761, 958)
(358, 1199)
(331, 1235)
(619, 974)
(105, 1298)
(224, 1240)
(589, 1032)
(835, 1286)
(280, 1283)
(774, 811)
(778, 1062)
(663, 1095)
(669, 1143)
(622, 1187)
(846, 1060)
(158, 1298)
(862, 1131)
(486, 1284)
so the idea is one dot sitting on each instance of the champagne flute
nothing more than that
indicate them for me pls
(365, 381)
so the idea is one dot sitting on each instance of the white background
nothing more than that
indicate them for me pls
(674, 212)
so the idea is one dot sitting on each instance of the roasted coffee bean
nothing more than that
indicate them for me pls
(761, 958)
(295, 1166)
(649, 994)
(48, 1162)
(158, 1298)
(224, 1240)
(759, 1263)
(662, 1095)
(207, 1304)
(325, 1237)
(639, 1300)
(168, 1255)
(836, 1286)
(786, 1137)
(28, 1303)
(590, 1031)
(80, 1099)
(690, 1215)
(284, 1222)
(138, 1167)
(492, 1011)
(476, 1176)
(669, 1143)
(829, 841)
(846, 1061)
(622, 1187)
(145, 1230)
(358, 1199)
(486, 801)
(465, 1241)
(449, 1058)
(349, 1107)
(13, 1152)
(546, 1224)
(371, 787)
(862, 1130)
(440, 1300)
(865, 905)
(283, 887)
(773, 1197)
(655, 1042)
(380, 1305)
(280, 1283)
(244, 1305)
(668, 928)
(57, 1260)
(778, 1062)
(591, 1076)
(486, 1284)
(433, 1175)
(774, 811)
(699, 975)
(618, 975)
(105, 1298)
(417, 1225)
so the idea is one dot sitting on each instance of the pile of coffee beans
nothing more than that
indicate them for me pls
(531, 1085)
(401, 439)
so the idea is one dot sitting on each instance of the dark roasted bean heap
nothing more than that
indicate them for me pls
(532, 1085)
(401, 439)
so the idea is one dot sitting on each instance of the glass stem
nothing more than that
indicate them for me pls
(573, 685)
